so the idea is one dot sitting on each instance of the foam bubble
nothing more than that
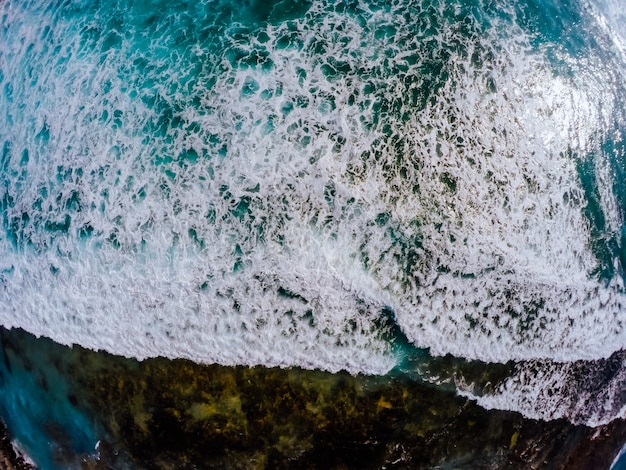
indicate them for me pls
(583, 392)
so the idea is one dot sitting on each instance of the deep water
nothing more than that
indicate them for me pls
(393, 196)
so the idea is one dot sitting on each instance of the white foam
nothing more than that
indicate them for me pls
(610, 16)
(583, 393)
(510, 240)
(305, 207)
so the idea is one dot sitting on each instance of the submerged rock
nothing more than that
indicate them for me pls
(162, 414)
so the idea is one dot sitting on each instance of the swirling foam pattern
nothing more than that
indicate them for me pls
(259, 183)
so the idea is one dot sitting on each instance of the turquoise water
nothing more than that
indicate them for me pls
(41, 411)
(328, 185)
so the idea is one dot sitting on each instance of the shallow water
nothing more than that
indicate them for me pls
(95, 410)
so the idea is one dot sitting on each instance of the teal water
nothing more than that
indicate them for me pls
(41, 410)
(620, 462)
(327, 185)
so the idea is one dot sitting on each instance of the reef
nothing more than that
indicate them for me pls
(165, 414)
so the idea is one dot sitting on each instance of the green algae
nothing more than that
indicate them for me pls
(221, 417)
(175, 414)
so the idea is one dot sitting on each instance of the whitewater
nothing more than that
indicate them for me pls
(290, 184)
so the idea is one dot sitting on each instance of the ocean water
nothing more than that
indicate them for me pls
(328, 185)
